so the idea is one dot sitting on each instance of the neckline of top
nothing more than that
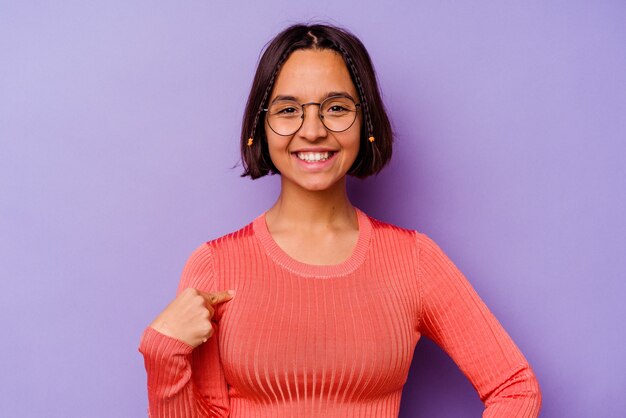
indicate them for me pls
(278, 255)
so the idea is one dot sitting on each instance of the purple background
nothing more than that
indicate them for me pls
(119, 123)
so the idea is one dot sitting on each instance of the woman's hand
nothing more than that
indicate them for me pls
(188, 317)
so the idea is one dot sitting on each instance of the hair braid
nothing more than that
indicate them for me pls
(282, 60)
(359, 86)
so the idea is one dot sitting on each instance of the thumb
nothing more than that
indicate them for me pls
(213, 298)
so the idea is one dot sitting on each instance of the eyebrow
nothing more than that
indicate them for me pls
(329, 94)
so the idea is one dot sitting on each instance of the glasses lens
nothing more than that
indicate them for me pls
(284, 117)
(339, 113)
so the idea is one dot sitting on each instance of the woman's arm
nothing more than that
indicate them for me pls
(456, 319)
(182, 381)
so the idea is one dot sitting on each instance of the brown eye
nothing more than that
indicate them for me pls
(337, 108)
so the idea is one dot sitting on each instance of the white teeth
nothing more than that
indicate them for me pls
(313, 156)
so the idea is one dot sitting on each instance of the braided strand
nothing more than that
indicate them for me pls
(267, 92)
(368, 120)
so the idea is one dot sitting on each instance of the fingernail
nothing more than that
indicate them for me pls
(231, 292)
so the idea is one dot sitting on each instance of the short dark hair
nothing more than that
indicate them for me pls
(372, 156)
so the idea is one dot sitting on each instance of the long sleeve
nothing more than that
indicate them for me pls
(185, 382)
(458, 321)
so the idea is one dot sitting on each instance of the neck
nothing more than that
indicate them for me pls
(302, 209)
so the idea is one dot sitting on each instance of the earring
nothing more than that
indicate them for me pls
(250, 141)
(371, 139)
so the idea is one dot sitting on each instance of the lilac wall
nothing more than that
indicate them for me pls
(119, 122)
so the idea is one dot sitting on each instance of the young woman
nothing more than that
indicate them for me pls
(328, 302)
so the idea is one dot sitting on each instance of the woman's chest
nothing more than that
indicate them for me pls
(338, 337)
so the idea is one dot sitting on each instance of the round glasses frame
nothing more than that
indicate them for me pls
(357, 106)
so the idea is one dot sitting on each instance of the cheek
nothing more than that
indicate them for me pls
(355, 138)
(277, 148)
(354, 151)
(274, 153)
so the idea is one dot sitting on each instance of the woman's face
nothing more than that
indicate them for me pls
(311, 76)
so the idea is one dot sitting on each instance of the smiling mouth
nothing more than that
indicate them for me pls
(313, 157)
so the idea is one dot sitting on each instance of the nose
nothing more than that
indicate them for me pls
(312, 127)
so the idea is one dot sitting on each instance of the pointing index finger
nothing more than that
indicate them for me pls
(213, 298)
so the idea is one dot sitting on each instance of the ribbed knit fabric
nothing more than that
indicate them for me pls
(302, 340)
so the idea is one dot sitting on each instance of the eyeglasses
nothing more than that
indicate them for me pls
(337, 113)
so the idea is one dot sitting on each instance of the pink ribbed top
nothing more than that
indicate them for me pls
(303, 340)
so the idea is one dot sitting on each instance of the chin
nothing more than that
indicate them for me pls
(315, 187)
(311, 182)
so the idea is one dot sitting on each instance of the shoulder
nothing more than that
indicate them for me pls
(387, 228)
(384, 230)
(202, 259)
(233, 238)
(236, 239)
